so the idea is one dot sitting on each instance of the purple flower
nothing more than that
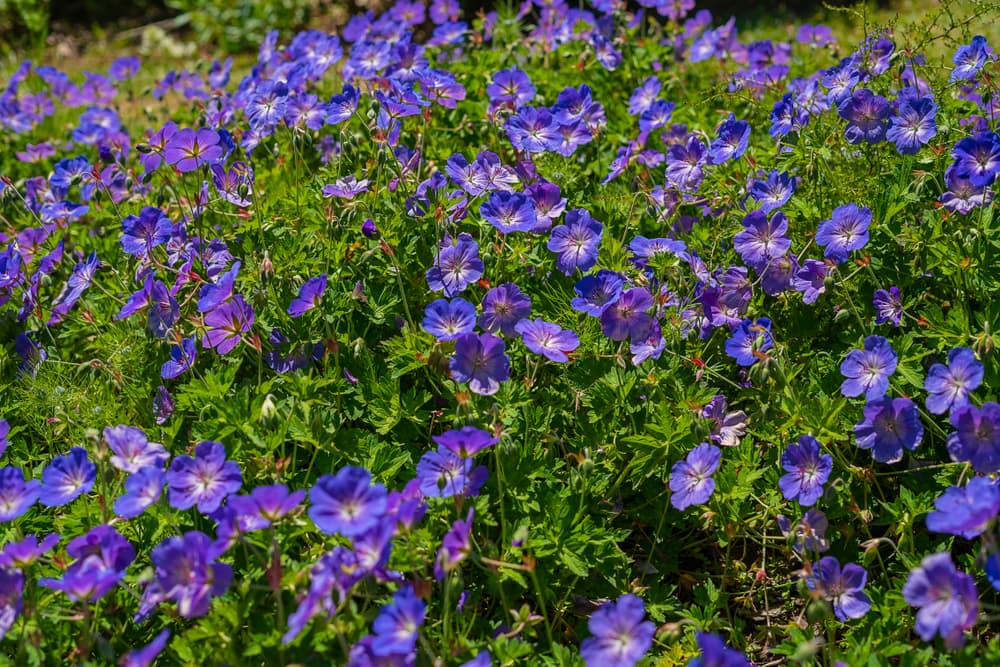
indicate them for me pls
(347, 187)
(548, 202)
(482, 361)
(644, 96)
(818, 35)
(808, 470)
(962, 196)
(691, 480)
(455, 266)
(11, 598)
(4, 430)
(163, 402)
(749, 341)
(341, 107)
(143, 489)
(715, 653)
(26, 552)
(845, 231)
(181, 358)
(727, 427)
(597, 293)
(189, 149)
(948, 386)
(144, 657)
(395, 628)
(978, 158)
(576, 241)
(547, 339)
(76, 284)
(533, 130)
(444, 474)
(510, 87)
(731, 142)
(627, 316)
(621, 635)
(503, 307)
(227, 324)
(466, 441)
(969, 59)
(16, 494)
(842, 587)
(684, 164)
(132, 451)
(142, 233)
(762, 240)
(309, 296)
(509, 212)
(889, 426)
(204, 480)
(913, 125)
(102, 556)
(977, 436)
(867, 116)
(966, 510)
(787, 116)
(655, 116)
(446, 320)
(186, 572)
(947, 597)
(214, 294)
(888, 306)
(810, 279)
(347, 503)
(809, 533)
(867, 371)
(234, 185)
(265, 505)
(67, 478)
(455, 547)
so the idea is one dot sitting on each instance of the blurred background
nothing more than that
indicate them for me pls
(234, 26)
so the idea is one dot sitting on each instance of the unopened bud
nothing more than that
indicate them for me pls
(268, 410)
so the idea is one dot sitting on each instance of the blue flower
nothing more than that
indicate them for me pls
(867, 371)
(446, 320)
(621, 636)
(966, 510)
(347, 503)
(691, 479)
(576, 241)
(808, 470)
(67, 478)
(947, 597)
(841, 586)
(948, 386)
(481, 361)
(749, 341)
(889, 426)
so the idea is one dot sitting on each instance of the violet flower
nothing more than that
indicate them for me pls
(947, 598)
(808, 470)
(948, 387)
(620, 634)
(841, 586)
(204, 480)
(482, 361)
(691, 480)
(547, 339)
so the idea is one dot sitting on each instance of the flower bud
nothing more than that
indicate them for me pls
(268, 410)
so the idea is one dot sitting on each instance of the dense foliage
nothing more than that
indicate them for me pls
(565, 336)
